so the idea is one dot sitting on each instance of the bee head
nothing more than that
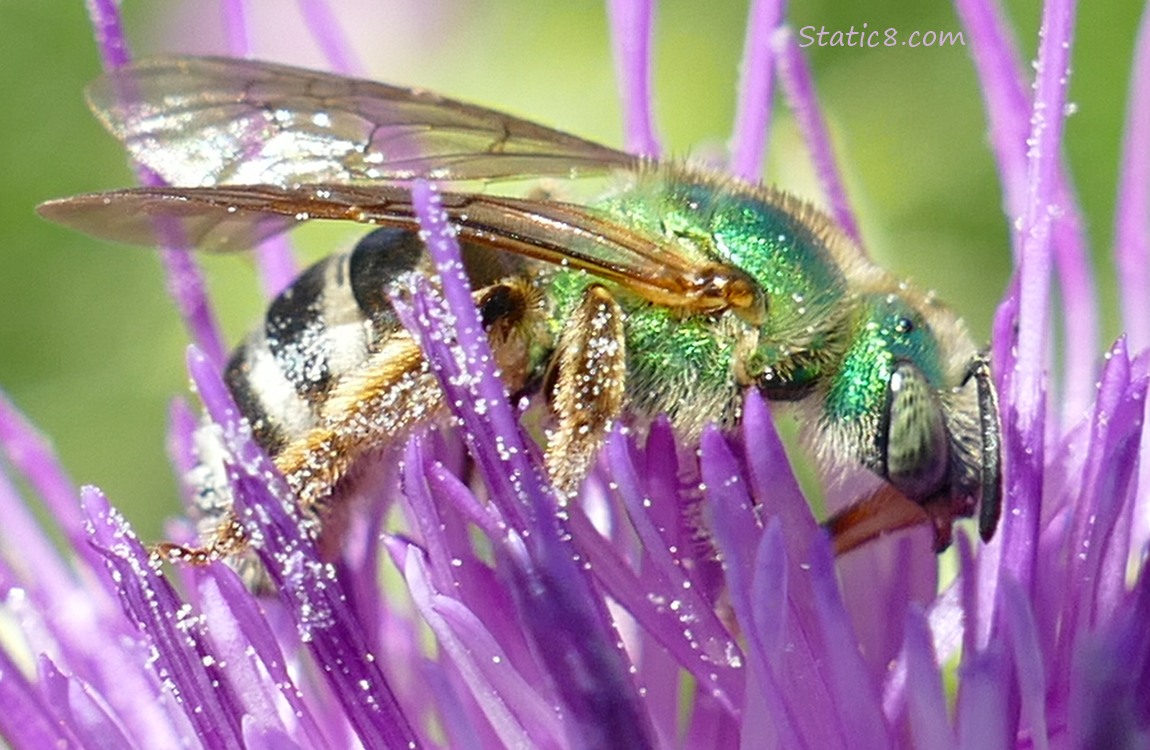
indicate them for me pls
(922, 414)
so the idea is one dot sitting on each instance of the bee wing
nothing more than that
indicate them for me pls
(237, 217)
(218, 121)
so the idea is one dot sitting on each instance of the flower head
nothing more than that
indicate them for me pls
(685, 598)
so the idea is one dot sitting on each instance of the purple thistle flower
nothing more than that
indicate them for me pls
(606, 621)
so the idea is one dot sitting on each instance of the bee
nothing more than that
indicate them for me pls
(672, 293)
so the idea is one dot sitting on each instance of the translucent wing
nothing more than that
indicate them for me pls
(219, 121)
(238, 217)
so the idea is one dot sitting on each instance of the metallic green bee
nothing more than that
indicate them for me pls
(671, 294)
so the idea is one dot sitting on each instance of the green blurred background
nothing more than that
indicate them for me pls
(92, 351)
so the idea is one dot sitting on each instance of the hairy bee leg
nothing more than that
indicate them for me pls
(590, 382)
(396, 391)
(392, 393)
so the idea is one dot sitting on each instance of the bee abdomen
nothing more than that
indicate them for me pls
(323, 326)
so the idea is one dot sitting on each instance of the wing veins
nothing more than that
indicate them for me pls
(562, 234)
(161, 109)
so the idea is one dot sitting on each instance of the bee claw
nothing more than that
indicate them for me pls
(180, 553)
(227, 541)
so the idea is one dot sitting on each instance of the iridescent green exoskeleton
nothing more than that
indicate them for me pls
(671, 294)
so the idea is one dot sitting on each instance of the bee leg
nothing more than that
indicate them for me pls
(227, 541)
(880, 513)
(589, 386)
(394, 392)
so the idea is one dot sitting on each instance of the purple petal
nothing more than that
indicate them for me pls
(451, 557)
(854, 696)
(236, 28)
(1079, 305)
(108, 29)
(326, 29)
(663, 682)
(997, 62)
(661, 470)
(756, 87)
(664, 600)
(907, 568)
(258, 737)
(811, 644)
(768, 607)
(654, 613)
(1027, 657)
(454, 716)
(320, 606)
(1111, 679)
(44, 573)
(975, 613)
(244, 634)
(1046, 126)
(512, 705)
(665, 546)
(186, 286)
(26, 720)
(799, 87)
(430, 524)
(465, 365)
(733, 519)
(632, 22)
(184, 661)
(31, 454)
(946, 628)
(981, 713)
(80, 711)
(1023, 499)
(773, 482)
(1112, 456)
(1132, 215)
(182, 426)
(781, 679)
(926, 702)
(1105, 487)
(446, 485)
(277, 266)
(710, 728)
(777, 492)
(1140, 512)
(1029, 397)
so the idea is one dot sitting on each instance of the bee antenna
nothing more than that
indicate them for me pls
(991, 430)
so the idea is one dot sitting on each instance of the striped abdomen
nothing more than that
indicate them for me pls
(327, 323)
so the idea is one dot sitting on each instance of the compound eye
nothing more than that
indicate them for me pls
(917, 449)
